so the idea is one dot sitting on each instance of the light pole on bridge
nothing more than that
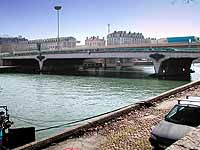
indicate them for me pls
(57, 8)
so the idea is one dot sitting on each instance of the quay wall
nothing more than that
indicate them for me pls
(75, 130)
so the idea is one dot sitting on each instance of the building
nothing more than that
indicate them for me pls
(12, 40)
(162, 41)
(22, 44)
(151, 41)
(9, 44)
(124, 38)
(95, 42)
(49, 44)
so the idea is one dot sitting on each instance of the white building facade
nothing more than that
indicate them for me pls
(48, 44)
(10, 44)
(22, 44)
(124, 38)
(95, 42)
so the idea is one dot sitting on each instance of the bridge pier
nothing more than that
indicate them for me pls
(173, 67)
(41, 63)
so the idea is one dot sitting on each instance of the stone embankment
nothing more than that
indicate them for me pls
(130, 130)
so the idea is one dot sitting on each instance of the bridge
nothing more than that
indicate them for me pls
(168, 60)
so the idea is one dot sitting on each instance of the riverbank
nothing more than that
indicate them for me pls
(129, 131)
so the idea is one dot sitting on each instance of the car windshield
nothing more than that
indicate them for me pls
(186, 115)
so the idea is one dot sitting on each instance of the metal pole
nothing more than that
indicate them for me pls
(58, 44)
(58, 8)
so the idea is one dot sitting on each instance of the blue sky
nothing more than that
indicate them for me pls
(81, 18)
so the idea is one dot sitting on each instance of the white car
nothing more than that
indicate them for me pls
(181, 119)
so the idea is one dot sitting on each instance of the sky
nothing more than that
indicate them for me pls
(36, 19)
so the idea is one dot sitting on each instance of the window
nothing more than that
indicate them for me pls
(185, 115)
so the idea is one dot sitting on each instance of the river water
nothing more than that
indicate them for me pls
(48, 100)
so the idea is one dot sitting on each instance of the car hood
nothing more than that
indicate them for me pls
(170, 130)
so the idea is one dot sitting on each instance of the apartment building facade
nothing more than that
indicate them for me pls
(95, 42)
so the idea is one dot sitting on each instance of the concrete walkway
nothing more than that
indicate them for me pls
(130, 131)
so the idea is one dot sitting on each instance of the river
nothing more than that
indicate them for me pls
(48, 100)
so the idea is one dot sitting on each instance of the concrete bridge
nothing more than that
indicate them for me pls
(168, 61)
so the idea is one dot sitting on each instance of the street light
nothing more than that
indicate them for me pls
(57, 8)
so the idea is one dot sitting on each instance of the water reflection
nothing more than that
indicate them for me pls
(136, 72)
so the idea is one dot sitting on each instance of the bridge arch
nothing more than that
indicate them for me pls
(61, 66)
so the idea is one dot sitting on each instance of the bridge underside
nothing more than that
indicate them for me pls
(23, 65)
(61, 66)
(171, 67)
(50, 66)
(175, 67)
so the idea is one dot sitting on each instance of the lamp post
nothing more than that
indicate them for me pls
(57, 8)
